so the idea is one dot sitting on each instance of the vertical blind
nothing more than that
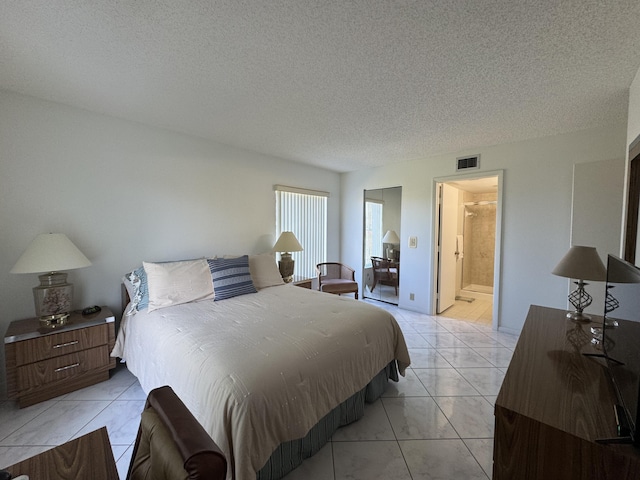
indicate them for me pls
(372, 231)
(303, 212)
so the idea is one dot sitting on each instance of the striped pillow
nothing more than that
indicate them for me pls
(231, 277)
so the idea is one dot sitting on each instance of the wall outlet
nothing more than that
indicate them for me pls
(412, 296)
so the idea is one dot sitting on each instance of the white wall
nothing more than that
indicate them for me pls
(597, 215)
(536, 217)
(633, 122)
(124, 193)
(392, 210)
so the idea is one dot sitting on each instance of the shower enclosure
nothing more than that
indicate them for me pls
(477, 243)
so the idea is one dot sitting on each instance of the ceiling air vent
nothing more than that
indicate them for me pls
(467, 163)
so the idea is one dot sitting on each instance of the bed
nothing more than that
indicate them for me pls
(271, 373)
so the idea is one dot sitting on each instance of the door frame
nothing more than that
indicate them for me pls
(444, 249)
(497, 269)
(630, 221)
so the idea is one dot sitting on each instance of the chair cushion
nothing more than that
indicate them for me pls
(338, 285)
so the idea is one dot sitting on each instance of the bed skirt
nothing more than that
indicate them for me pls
(291, 454)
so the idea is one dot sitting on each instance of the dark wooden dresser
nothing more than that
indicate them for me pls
(554, 404)
(85, 458)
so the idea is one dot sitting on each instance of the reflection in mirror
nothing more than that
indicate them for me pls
(381, 249)
(632, 228)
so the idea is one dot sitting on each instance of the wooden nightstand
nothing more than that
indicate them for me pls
(43, 363)
(303, 282)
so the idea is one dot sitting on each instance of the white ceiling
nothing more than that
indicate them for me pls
(341, 84)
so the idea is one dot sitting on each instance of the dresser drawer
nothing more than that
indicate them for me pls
(59, 368)
(49, 346)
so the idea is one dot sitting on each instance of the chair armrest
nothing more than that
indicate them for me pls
(347, 272)
(199, 451)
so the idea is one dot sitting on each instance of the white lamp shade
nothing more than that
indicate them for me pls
(50, 252)
(287, 242)
(391, 237)
(620, 272)
(581, 263)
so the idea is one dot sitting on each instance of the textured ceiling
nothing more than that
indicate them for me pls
(341, 84)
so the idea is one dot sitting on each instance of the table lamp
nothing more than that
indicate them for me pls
(581, 263)
(617, 275)
(287, 242)
(391, 237)
(48, 253)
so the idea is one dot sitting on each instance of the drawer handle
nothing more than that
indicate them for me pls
(67, 367)
(60, 345)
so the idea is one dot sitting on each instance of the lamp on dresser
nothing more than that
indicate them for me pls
(391, 237)
(581, 263)
(49, 253)
(287, 242)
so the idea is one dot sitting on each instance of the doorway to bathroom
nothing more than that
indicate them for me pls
(467, 241)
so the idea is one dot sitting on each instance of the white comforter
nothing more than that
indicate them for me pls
(261, 369)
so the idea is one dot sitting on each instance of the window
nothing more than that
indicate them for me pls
(303, 212)
(372, 231)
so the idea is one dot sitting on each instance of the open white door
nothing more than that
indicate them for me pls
(448, 229)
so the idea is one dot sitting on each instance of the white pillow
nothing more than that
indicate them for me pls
(174, 283)
(264, 271)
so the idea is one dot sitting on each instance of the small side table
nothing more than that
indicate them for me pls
(86, 458)
(303, 282)
(44, 362)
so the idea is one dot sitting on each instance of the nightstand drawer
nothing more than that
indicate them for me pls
(47, 371)
(61, 343)
(42, 363)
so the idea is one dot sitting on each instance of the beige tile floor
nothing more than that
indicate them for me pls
(478, 311)
(436, 423)
(385, 293)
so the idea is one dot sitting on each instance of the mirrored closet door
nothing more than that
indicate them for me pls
(381, 249)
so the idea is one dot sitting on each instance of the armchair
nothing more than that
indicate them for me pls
(334, 277)
(171, 444)
(385, 272)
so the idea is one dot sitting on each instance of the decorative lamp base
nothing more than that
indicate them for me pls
(285, 266)
(580, 300)
(53, 298)
(579, 317)
(53, 321)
